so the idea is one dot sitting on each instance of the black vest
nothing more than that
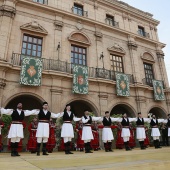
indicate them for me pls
(16, 117)
(152, 123)
(124, 122)
(42, 116)
(107, 122)
(66, 116)
(90, 121)
(168, 123)
(139, 122)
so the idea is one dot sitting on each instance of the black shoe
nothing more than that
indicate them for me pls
(110, 150)
(106, 150)
(12, 153)
(16, 153)
(70, 152)
(38, 153)
(45, 153)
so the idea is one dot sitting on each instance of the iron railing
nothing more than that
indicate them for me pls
(79, 11)
(111, 22)
(144, 34)
(149, 83)
(62, 66)
(41, 1)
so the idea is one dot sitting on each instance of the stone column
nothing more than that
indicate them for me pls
(2, 85)
(56, 100)
(7, 13)
(57, 39)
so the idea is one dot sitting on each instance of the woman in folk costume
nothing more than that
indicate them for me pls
(1, 126)
(87, 135)
(32, 142)
(95, 142)
(16, 128)
(52, 137)
(80, 142)
(140, 129)
(132, 143)
(119, 140)
(107, 134)
(67, 132)
(155, 133)
(146, 141)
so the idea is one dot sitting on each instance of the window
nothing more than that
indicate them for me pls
(116, 63)
(31, 46)
(110, 20)
(78, 9)
(149, 76)
(41, 1)
(141, 31)
(78, 55)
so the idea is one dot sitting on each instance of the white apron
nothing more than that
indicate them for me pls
(42, 130)
(107, 134)
(155, 132)
(140, 133)
(87, 133)
(125, 132)
(67, 130)
(16, 130)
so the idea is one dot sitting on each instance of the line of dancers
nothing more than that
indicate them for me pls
(67, 132)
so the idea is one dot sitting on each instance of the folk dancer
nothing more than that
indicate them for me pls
(155, 133)
(52, 137)
(107, 134)
(16, 128)
(32, 142)
(1, 126)
(95, 131)
(67, 132)
(80, 142)
(119, 139)
(140, 130)
(87, 135)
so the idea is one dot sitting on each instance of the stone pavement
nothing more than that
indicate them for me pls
(150, 159)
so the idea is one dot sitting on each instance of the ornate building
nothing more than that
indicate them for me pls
(107, 36)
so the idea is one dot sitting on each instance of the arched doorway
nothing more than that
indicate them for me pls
(122, 108)
(29, 102)
(158, 112)
(78, 107)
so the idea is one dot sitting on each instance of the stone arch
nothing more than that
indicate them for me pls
(24, 98)
(158, 111)
(148, 56)
(79, 37)
(79, 104)
(122, 107)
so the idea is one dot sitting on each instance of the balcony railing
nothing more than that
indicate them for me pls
(144, 34)
(79, 11)
(41, 1)
(111, 22)
(149, 83)
(62, 66)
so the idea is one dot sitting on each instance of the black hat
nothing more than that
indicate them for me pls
(106, 112)
(123, 114)
(85, 110)
(169, 114)
(139, 113)
(44, 103)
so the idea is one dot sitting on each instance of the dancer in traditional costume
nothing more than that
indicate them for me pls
(119, 139)
(1, 126)
(95, 142)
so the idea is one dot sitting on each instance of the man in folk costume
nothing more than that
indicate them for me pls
(43, 127)
(67, 132)
(140, 129)
(107, 134)
(125, 129)
(168, 125)
(32, 142)
(155, 133)
(16, 128)
(87, 135)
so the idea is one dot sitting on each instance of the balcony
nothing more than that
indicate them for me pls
(111, 22)
(79, 11)
(149, 83)
(144, 34)
(41, 1)
(65, 67)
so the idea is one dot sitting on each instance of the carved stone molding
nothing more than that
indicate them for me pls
(148, 57)
(99, 36)
(58, 25)
(116, 48)
(56, 91)
(160, 54)
(132, 45)
(34, 27)
(2, 83)
(103, 96)
(8, 11)
(79, 25)
(141, 100)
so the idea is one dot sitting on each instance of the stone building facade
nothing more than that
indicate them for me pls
(105, 35)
